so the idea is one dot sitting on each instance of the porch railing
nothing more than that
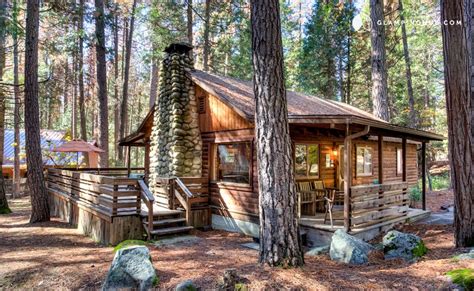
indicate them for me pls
(107, 196)
(373, 204)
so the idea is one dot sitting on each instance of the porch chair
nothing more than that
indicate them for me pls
(310, 192)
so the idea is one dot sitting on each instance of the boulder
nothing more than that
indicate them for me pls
(349, 249)
(316, 251)
(466, 256)
(187, 285)
(131, 268)
(403, 245)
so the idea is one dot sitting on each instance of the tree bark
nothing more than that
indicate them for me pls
(379, 71)
(16, 110)
(4, 209)
(155, 77)
(189, 12)
(82, 106)
(116, 84)
(457, 47)
(37, 188)
(205, 53)
(279, 230)
(411, 98)
(124, 106)
(103, 124)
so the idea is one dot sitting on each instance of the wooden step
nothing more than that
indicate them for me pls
(159, 213)
(171, 230)
(168, 221)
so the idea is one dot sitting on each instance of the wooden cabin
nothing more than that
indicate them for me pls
(200, 160)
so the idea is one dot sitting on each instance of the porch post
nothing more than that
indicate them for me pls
(347, 181)
(128, 161)
(423, 175)
(404, 159)
(380, 149)
(147, 160)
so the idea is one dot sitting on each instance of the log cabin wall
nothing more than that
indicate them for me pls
(221, 124)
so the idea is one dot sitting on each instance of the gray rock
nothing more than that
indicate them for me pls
(466, 256)
(317, 251)
(131, 268)
(349, 249)
(187, 285)
(402, 245)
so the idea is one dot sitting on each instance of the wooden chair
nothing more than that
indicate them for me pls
(310, 192)
(333, 197)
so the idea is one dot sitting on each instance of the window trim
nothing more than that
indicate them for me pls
(213, 169)
(307, 144)
(357, 147)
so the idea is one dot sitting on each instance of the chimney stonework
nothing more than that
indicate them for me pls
(176, 145)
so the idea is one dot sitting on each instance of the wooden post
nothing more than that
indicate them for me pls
(404, 159)
(423, 175)
(129, 170)
(347, 181)
(147, 160)
(380, 149)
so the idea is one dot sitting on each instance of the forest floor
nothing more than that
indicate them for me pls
(54, 255)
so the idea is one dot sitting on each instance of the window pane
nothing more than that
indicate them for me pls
(399, 161)
(313, 160)
(233, 162)
(360, 160)
(300, 160)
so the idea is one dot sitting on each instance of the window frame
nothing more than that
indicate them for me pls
(215, 162)
(364, 174)
(307, 176)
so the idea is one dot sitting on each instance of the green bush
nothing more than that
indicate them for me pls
(463, 278)
(440, 182)
(415, 194)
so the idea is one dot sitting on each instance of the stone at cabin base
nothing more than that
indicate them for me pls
(349, 249)
(131, 268)
(403, 245)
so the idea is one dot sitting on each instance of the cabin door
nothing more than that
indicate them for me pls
(341, 167)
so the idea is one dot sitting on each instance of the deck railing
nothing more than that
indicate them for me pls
(108, 196)
(188, 193)
(373, 204)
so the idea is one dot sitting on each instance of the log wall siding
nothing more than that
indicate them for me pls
(216, 115)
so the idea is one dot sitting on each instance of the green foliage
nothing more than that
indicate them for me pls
(440, 182)
(415, 194)
(240, 287)
(128, 243)
(462, 277)
(5, 210)
(420, 250)
(156, 281)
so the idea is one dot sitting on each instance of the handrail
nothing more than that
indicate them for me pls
(149, 200)
(183, 187)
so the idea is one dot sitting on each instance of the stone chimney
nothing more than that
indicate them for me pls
(176, 146)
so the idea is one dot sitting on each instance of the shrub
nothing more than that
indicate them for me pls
(415, 194)
(463, 278)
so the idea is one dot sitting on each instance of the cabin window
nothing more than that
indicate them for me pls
(399, 161)
(364, 161)
(233, 162)
(307, 160)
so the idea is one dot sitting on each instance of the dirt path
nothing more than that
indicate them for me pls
(54, 256)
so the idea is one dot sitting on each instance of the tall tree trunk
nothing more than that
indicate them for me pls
(103, 125)
(75, 68)
(205, 53)
(189, 12)
(80, 61)
(379, 71)
(280, 242)
(16, 110)
(116, 85)
(4, 209)
(458, 74)
(411, 98)
(124, 106)
(37, 188)
(154, 78)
